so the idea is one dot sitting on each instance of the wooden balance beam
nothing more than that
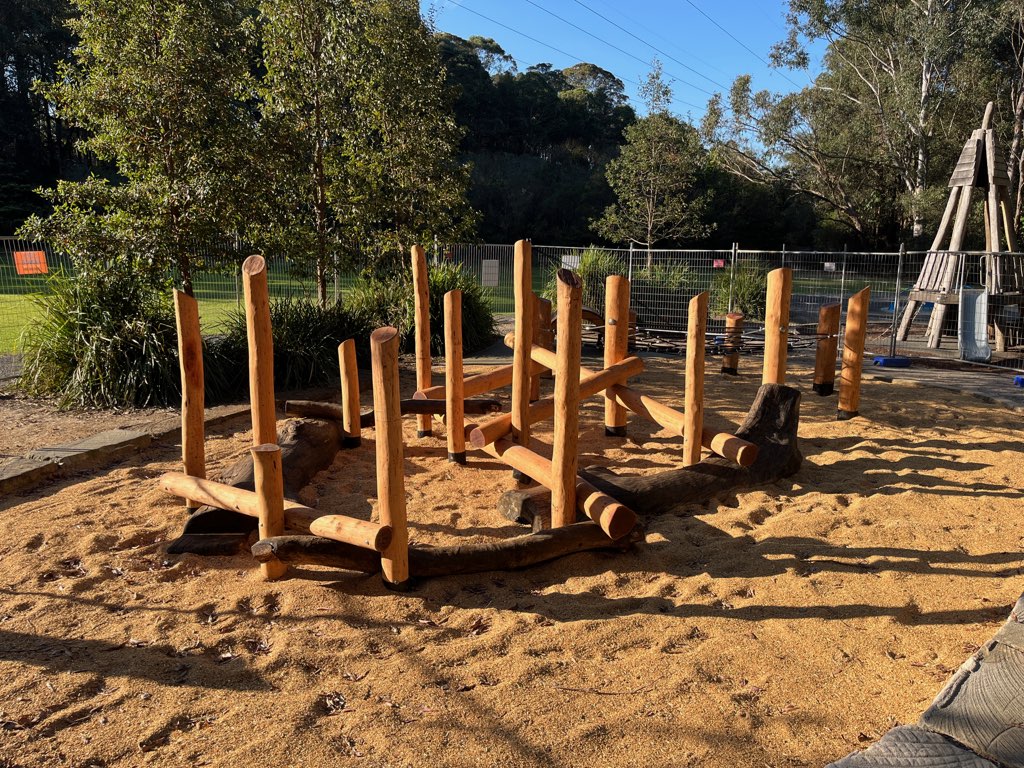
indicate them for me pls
(722, 444)
(338, 413)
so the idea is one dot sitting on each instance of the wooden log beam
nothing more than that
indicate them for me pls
(421, 301)
(454, 406)
(349, 394)
(693, 413)
(825, 355)
(269, 481)
(565, 453)
(733, 343)
(853, 354)
(430, 561)
(479, 384)
(321, 410)
(500, 426)
(190, 360)
(776, 325)
(390, 460)
(771, 425)
(616, 346)
(261, 350)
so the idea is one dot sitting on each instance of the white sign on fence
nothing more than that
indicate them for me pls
(571, 260)
(830, 266)
(489, 275)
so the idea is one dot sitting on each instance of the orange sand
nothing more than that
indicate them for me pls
(782, 626)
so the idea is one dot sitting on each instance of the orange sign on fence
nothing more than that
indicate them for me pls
(30, 262)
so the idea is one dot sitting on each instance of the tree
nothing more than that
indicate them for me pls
(159, 90)
(658, 179)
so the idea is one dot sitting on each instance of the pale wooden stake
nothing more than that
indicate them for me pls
(828, 343)
(190, 359)
(776, 325)
(564, 456)
(733, 342)
(616, 346)
(421, 300)
(693, 410)
(261, 350)
(390, 468)
(268, 479)
(521, 367)
(454, 409)
(853, 354)
(349, 393)
(538, 325)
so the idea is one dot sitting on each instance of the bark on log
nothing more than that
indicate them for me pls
(427, 561)
(334, 412)
(307, 447)
(771, 424)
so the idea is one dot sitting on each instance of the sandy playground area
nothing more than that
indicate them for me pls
(781, 626)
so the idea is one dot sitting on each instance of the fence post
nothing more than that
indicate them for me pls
(783, 254)
(896, 301)
(629, 269)
(732, 273)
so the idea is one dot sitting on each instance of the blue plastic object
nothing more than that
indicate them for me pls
(1018, 381)
(892, 362)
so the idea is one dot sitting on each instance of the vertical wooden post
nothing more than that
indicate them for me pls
(349, 394)
(693, 411)
(421, 301)
(616, 345)
(523, 287)
(190, 360)
(776, 325)
(828, 343)
(537, 333)
(261, 350)
(269, 484)
(733, 342)
(564, 457)
(453, 379)
(390, 470)
(853, 354)
(547, 338)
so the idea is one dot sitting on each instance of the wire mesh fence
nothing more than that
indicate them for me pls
(904, 291)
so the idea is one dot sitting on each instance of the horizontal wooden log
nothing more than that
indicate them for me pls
(721, 443)
(298, 517)
(771, 425)
(543, 409)
(478, 384)
(431, 561)
(614, 518)
(335, 412)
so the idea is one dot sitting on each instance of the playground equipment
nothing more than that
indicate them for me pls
(577, 510)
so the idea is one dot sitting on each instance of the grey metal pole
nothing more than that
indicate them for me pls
(896, 301)
(732, 272)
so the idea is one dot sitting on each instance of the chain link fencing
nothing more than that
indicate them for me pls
(662, 282)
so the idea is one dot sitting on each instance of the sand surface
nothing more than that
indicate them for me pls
(781, 626)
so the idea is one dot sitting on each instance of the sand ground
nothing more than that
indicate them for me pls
(781, 626)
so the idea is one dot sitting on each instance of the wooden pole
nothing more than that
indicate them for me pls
(828, 343)
(564, 455)
(421, 300)
(521, 368)
(853, 354)
(390, 469)
(190, 359)
(776, 325)
(616, 346)
(349, 394)
(261, 350)
(693, 409)
(454, 409)
(733, 342)
(538, 325)
(269, 483)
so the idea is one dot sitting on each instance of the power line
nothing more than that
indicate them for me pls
(552, 47)
(612, 45)
(649, 45)
(740, 42)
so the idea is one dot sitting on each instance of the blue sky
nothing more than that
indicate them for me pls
(701, 55)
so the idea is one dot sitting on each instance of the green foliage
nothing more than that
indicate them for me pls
(749, 284)
(675, 278)
(593, 268)
(376, 301)
(104, 339)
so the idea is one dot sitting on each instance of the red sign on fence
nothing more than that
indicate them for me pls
(30, 262)
(717, 263)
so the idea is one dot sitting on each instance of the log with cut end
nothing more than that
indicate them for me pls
(478, 384)
(321, 410)
(430, 561)
(771, 425)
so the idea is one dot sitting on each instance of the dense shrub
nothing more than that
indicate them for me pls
(105, 338)
(749, 283)
(593, 269)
